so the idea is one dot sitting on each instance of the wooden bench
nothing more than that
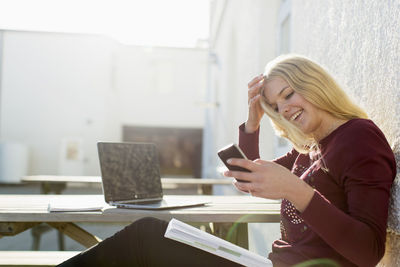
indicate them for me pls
(34, 258)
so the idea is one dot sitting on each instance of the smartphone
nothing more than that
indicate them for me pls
(232, 151)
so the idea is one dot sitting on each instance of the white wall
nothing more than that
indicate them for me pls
(84, 88)
(53, 87)
(243, 40)
(359, 42)
(161, 86)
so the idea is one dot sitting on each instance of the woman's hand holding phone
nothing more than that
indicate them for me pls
(270, 180)
(259, 178)
(232, 151)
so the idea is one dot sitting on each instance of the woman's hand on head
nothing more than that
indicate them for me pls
(255, 112)
(271, 180)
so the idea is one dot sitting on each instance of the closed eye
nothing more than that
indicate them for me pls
(289, 95)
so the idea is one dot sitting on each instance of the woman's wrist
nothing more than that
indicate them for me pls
(250, 127)
(300, 195)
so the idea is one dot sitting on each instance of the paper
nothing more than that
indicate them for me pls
(57, 206)
(192, 236)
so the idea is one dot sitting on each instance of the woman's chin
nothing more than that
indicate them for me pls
(299, 124)
(303, 127)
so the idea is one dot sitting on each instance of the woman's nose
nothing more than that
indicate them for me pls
(283, 108)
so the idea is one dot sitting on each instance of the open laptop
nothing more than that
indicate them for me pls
(130, 175)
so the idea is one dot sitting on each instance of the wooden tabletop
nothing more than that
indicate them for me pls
(34, 208)
(227, 214)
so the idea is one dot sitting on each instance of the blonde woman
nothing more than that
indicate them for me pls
(334, 184)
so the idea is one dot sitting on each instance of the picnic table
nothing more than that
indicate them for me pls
(226, 213)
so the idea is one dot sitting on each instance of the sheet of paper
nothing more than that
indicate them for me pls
(57, 205)
(192, 236)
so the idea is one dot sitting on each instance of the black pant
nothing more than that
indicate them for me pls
(142, 243)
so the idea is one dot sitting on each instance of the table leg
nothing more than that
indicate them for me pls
(236, 233)
(61, 244)
(76, 233)
(47, 188)
(205, 189)
(37, 232)
(40, 229)
(36, 239)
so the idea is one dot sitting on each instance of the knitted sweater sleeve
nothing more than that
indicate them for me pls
(364, 166)
(249, 143)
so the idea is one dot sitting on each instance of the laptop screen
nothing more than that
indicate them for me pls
(129, 171)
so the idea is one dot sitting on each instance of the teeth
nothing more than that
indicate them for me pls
(295, 115)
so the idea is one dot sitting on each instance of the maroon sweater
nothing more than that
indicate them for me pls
(347, 216)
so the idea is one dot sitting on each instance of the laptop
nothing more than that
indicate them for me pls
(130, 175)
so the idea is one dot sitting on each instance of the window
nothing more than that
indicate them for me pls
(180, 149)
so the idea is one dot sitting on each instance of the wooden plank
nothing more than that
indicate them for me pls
(13, 228)
(76, 233)
(34, 258)
(33, 208)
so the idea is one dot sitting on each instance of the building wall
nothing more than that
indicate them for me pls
(243, 40)
(53, 92)
(359, 43)
(61, 93)
(161, 86)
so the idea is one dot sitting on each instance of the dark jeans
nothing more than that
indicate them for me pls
(142, 243)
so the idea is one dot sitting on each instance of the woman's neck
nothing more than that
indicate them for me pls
(329, 126)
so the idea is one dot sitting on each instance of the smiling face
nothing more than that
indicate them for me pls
(296, 109)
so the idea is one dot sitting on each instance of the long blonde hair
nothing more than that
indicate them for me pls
(312, 82)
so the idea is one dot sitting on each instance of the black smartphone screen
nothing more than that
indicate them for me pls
(232, 151)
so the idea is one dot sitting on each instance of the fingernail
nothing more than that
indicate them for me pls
(229, 161)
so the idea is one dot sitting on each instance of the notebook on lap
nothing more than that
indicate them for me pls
(131, 178)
